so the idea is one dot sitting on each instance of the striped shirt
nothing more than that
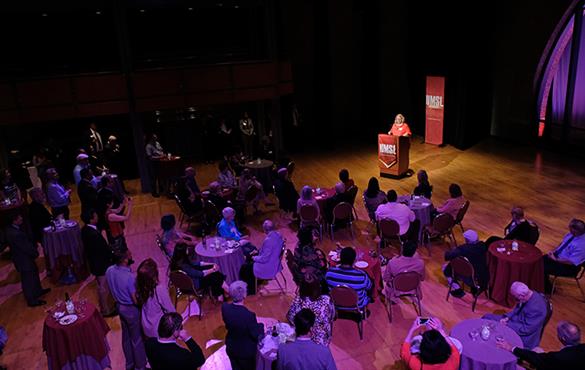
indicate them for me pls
(355, 279)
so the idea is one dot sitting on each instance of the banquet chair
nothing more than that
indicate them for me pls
(186, 216)
(183, 285)
(160, 246)
(275, 277)
(462, 271)
(345, 300)
(460, 214)
(534, 232)
(212, 216)
(388, 230)
(577, 278)
(406, 282)
(310, 217)
(351, 194)
(549, 312)
(290, 167)
(343, 214)
(442, 226)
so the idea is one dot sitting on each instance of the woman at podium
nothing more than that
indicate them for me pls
(399, 127)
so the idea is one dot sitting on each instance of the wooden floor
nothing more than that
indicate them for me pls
(494, 176)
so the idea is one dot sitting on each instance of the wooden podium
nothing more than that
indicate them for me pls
(393, 152)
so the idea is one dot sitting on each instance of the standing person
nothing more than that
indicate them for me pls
(400, 127)
(38, 214)
(57, 196)
(152, 297)
(88, 195)
(154, 151)
(243, 330)
(247, 130)
(95, 142)
(100, 258)
(226, 141)
(82, 163)
(116, 225)
(303, 353)
(8, 188)
(24, 254)
(122, 284)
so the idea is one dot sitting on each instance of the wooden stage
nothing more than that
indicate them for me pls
(493, 175)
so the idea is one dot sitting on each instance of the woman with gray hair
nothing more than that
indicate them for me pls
(226, 228)
(307, 199)
(243, 329)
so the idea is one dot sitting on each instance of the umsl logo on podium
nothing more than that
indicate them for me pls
(387, 154)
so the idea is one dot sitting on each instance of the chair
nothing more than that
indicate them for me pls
(343, 214)
(388, 230)
(185, 215)
(534, 232)
(549, 312)
(351, 194)
(160, 245)
(463, 269)
(310, 217)
(442, 226)
(577, 278)
(461, 213)
(406, 282)
(184, 286)
(275, 277)
(290, 168)
(345, 300)
(212, 215)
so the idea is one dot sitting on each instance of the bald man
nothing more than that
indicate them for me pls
(528, 316)
(267, 263)
(571, 356)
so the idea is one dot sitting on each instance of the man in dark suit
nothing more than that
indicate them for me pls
(164, 352)
(571, 356)
(38, 214)
(99, 257)
(87, 193)
(24, 252)
(475, 251)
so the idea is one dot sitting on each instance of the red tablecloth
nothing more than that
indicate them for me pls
(322, 197)
(374, 269)
(524, 265)
(85, 337)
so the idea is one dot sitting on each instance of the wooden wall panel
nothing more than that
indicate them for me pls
(100, 88)
(7, 99)
(207, 79)
(102, 108)
(157, 83)
(44, 92)
(252, 75)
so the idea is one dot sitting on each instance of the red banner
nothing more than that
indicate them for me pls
(387, 152)
(435, 110)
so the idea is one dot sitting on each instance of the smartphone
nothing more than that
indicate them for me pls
(423, 320)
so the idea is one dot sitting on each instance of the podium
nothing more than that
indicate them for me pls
(393, 153)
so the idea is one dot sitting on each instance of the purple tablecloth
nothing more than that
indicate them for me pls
(483, 354)
(62, 242)
(229, 263)
(421, 207)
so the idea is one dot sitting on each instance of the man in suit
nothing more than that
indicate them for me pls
(87, 193)
(24, 252)
(571, 356)
(38, 214)
(528, 317)
(99, 257)
(267, 263)
(303, 353)
(164, 352)
(566, 259)
(475, 251)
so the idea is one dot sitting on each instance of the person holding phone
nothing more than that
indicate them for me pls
(436, 351)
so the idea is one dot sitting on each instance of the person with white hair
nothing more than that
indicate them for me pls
(475, 251)
(243, 329)
(571, 356)
(340, 196)
(226, 228)
(567, 258)
(267, 263)
(82, 162)
(528, 317)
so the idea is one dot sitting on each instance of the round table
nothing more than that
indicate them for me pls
(321, 197)
(80, 345)
(374, 269)
(166, 169)
(421, 207)
(63, 249)
(229, 262)
(524, 265)
(263, 171)
(483, 354)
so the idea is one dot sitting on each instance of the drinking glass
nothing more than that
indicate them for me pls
(499, 338)
(474, 334)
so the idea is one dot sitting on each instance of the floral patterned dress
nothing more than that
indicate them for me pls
(324, 313)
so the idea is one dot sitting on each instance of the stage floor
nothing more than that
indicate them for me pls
(493, 175)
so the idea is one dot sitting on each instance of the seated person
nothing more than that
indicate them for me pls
(453, 204)
(476, 252)
(344, 178)
(268, 262)
(216, 197)
(204, 274)
(571, 356)
(191, 182)
(395, 211)
(285, 192)
(346, 274)
(528, 316)
(436, 351)
(408, 261)
(164, 352)
(305, 257)
(423, 188)
(190, 198)
(226, 228)
(307, 199)
(373, 197)
(568, 256)
(247, 180)
(519, 228)
(171, 236)
(226, 177)
(340, 196)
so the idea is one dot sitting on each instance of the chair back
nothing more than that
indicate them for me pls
(290, 261)
(290, 168)
(308, 213)
(251, 193)
(462, 211)
(160, 246)
(179, 203)
(406, 281)
(342, 212)
(549, 312)
(461, 267)
(388, 228)
(443, 223)
(534, 233)
(581, 271)
(212, 213)
(344, 297)
(182, 281)
(351, 194)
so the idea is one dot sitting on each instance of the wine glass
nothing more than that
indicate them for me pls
(474, 334)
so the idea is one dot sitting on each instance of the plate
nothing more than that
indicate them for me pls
(70, 223)
(361, 264)
(68, 319)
